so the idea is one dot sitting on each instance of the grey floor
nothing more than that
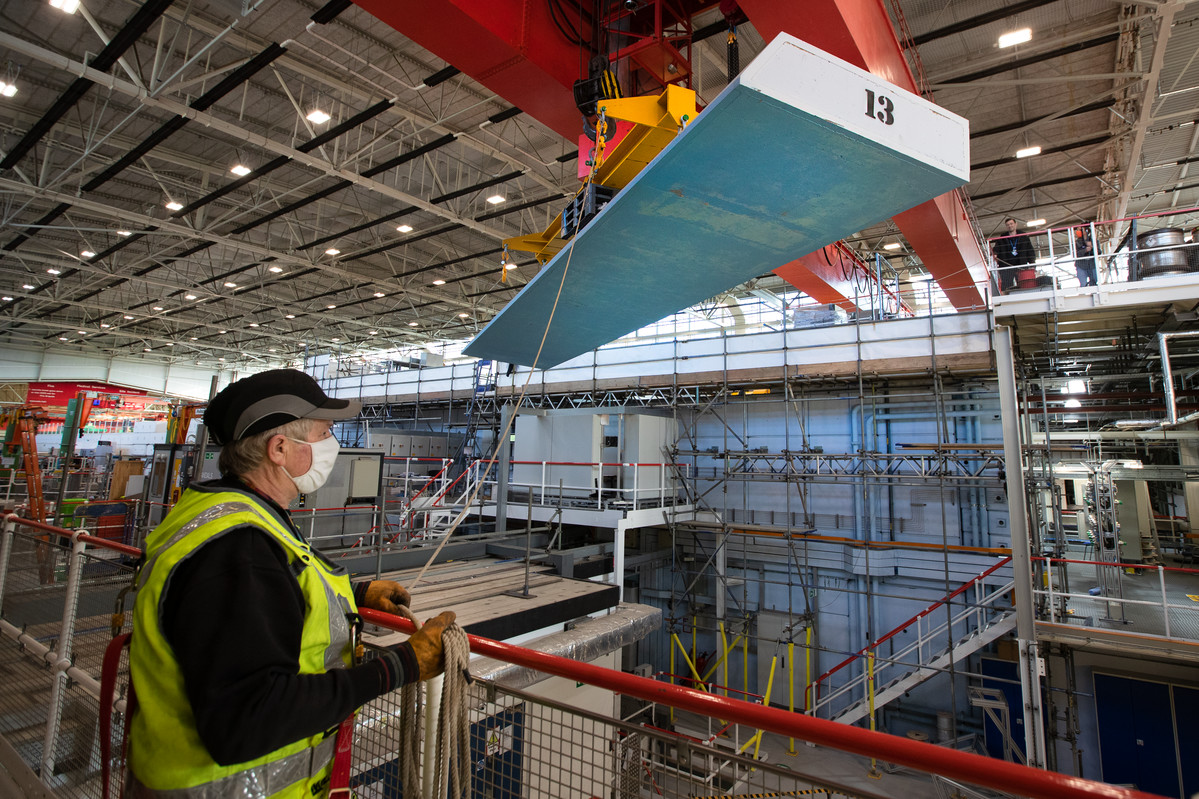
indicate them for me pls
(1142, 591)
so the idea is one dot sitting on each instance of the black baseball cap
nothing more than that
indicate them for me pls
(269, 399)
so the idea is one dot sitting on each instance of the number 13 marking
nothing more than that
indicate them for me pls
(885, 107)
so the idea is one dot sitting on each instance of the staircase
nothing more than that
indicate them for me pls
(982, 611)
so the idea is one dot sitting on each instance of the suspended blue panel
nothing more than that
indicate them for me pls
(800, 151)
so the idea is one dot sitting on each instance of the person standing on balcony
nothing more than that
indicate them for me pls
(242, 652)
(1011, 252)
(1085, 263)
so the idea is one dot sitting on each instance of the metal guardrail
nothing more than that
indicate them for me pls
(523, 744)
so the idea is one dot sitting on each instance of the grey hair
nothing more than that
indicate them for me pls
(243, 456)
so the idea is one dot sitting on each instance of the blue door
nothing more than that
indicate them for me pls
(1136, 734)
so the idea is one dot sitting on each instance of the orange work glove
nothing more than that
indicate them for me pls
(426, 644)
(385, 595)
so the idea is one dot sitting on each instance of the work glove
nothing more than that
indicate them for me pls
(418, 658)
(426, 644)
(385, 595)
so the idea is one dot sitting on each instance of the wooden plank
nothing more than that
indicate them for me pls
(800, 150)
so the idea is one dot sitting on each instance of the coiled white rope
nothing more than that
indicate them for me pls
(452, 771)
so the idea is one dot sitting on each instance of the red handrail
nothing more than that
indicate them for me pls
(897, 630)
(932, 759)
(1118, 565)
(975, 769)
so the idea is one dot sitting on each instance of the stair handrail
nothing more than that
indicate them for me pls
(861, 653)
(897, 659)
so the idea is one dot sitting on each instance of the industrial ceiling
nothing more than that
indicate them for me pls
(380, 227)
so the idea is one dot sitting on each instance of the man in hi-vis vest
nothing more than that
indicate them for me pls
(241, 654)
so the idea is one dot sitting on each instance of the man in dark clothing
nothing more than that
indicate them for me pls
(1084, 257)
(1011, 252)
(242, 651)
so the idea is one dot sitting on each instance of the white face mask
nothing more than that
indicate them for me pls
(324, 454)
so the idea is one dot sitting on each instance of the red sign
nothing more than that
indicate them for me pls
(55, 396)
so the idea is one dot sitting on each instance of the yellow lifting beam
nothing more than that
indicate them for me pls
(656, 121)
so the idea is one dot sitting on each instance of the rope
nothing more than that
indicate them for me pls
(452, 773)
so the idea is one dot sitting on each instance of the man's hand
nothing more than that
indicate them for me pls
(426, 644)
(386, 595)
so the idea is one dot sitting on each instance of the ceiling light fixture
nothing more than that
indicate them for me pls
(496, 199)
(63, 338)
(105, 324)
(65, 6)
(241, 170)
(27, 287)
(439, 282)
(6, 299)
(124, 233)
(253, 324)
(1015, 37)
(332, 251)
(275, 270)
(405, 228)
(1036, 222)
(174, 206)
(230, 285)
(330, 307)
(189, 297)
(127, 316)
(463, 315)
(318, 117)
(1028, 151)
(87, 254)
(145, 349)
(892, 246)
(53, 271)
(272, 349)
(170, 343)
(372, 332)
(290, 316)
(222, 360)
(222, 331)
(82, 332)
(414, 324)
(193, 338)
(158, 307)
(7, 89)
(336, 340)
(380, 294)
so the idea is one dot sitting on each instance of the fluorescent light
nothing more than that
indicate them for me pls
(330, 307)
(174, 206)
(318, 117)
(158, 307)
(892, 246)
(124, 233)
(221, 359)
(1015, 37)
(5, 299)
(127, 316)
(65, 6)
(1073, 403)
(222, 331)
(105, 324)
(275, 269)
(253, 324)
(230, 285)
(496, 199)
(189, 297)
(87, 254)
(463, 315)
(439, 282)
(27, 287)
(336, 340)
(145, 349)
(63, 338)
(1036, 222)
(82, 332)
(332, 251)
(272, 349)
(241, 170)
(405, 228)
(414, 324)
(53, 271)
(1028, 151)
(170, 343)
(372, 332)
(7, 89)
(194, 338)
(380, 294)
(290, 316)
